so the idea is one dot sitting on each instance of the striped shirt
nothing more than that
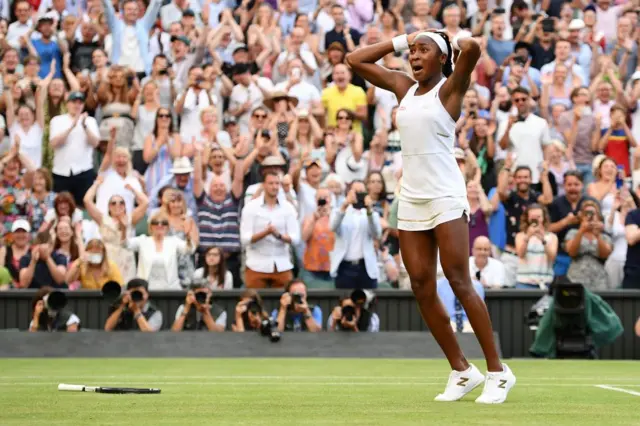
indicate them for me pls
(535, 268)
(219, 223)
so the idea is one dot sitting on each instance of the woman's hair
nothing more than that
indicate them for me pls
(155, 125)
(597, 173)
(179, 195)
(46, 175)
(114, 196)
(349, 113)
(64, 197)
(74, 250)
(40, 294)
(124, 151)
(590, 203)
(334, 177)
(98, 244)
(210, 109)
(475, 140)
(524, 219)
(382, 197)
(157, 216)
(162, 191)
(220, 270)
(447, 67)
(30, 58)
(124, 90)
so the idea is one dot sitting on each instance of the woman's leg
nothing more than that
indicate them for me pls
(419, 254)
(450, 237)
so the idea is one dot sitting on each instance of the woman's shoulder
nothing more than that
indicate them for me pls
(199, 273)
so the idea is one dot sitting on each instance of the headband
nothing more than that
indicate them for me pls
(437, 38)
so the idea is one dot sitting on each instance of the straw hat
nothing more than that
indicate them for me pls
(279, 94)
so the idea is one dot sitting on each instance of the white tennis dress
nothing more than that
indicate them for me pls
(433, 188)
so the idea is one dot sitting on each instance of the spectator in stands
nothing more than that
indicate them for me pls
(294, 314)
(184, 227)
(158, 260)
(180, 179)
(42, 267)
(614, 225)
(563, 213)
(10, 255)
(249, 312)
(26, 125)
(198, 312)
(353, 260)
(616, 141)
(214, 273)
(45, 318)
(589, 246)
(133, 311)
(632, 264)
(343, 95)
(487, 270)
(268, 229)
(536, 248)
(481, 211)
(13, 196)
(515, 203)
(160, 149)
(604, 188)
(41, 197)
(353, 315)
(64, 205)
(67, 242)
(319, 242)
(94, 268)
(458, 317)
(218, 216)
(73, 136)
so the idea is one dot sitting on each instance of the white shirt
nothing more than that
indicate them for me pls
(527, 139)
(190, 123)
(268, 255)
(75, 155)
(114, 185)
(15, 31)
(30, 142)
(385, 101)
(228, 279)
(605, 112)
(306, 93)
(130, 55)
(241, 94)
(358, 236)
(307, 57)
(492, 275)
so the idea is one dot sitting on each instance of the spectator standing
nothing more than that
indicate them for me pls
(480, 212)
(536, 248)
(604, 188)
(160, 148)
(589, 246)
(47, 48)
(26, 125)
(617, 141)
(42, 267)
(487, 270)
(632, 263)
(179, 179)
(342, 33)
(73, 137)
(354, 262)
(344, 95)
(268, 228)
(563, 214)
(498, 46)
(319, 242)
(93, 268)
(615, 226)
(17, 30)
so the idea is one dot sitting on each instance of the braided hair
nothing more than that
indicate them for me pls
(447, 67)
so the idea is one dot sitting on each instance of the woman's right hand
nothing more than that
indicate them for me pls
(336, 314)
(241, 308)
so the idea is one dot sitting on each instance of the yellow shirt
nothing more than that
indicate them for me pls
(89, 281)
(334, 100)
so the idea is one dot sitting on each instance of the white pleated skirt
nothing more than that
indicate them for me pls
(427, 214)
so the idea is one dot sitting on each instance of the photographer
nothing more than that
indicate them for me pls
(49, 313)
(353, 314)
(249, 312)
(133, 311)
(198, 313)
(294, 313)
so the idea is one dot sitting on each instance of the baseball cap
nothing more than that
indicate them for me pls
(76, 96)
(188, 12)
(183, 39)
(21, 224)
(309, 163)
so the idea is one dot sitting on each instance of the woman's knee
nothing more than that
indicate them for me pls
(423, 285)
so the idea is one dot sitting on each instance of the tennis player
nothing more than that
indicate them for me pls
(433, 210)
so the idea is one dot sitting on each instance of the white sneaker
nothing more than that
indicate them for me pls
(461, 383)
(497, 386)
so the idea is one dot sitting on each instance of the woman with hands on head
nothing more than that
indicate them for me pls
(94, 269)
(433, 211)
(589, 246)
(536, 248)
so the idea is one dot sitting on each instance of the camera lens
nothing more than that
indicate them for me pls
(136, 296)
(201, 297)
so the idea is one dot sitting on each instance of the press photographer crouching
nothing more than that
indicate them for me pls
(132, 309)
(354, 314)
(251, 316)
(49, 313)
(294, 313)
(198, 312)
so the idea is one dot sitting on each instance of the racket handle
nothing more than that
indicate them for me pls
(75, 388)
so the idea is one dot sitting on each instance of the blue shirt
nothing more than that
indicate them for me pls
(498, 224)
(48, 52)
(449, 298)
(298, 320)
(533, 73)
(499, 49)
(170, 180)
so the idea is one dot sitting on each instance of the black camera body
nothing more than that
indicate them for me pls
(359, 204)
(348, 313)
(296, 298)
(269, 328)
(201, 297)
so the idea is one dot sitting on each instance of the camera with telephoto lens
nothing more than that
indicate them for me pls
(55, 301)
(269, 328)
(296, 298)
(201, 297)
(348, 313)
(112, 291)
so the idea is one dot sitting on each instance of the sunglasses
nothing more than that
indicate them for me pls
(164, 115)
(160, 222)
(116, 203)
(260, 116)
(518, 100)
(343, 117)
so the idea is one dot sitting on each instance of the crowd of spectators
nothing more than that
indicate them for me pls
(218, 144)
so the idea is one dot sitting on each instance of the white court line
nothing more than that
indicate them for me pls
(613, 388)
(294, 377)
(305, 383)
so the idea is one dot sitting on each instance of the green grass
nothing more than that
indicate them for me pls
(309, 392)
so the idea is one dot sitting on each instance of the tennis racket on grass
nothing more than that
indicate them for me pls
(100, 389)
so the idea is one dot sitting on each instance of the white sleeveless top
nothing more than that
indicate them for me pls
(427, 134)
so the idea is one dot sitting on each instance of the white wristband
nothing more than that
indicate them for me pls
(460, 36)
(400, 43)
